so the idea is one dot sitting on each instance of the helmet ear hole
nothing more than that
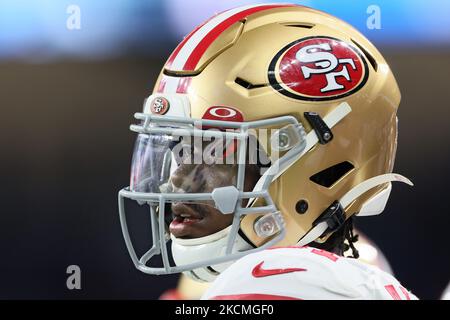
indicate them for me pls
(301, 206)
(331, 175)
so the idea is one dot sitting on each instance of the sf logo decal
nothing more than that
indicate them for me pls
(324, 63)
(318, 68)
(159, 105)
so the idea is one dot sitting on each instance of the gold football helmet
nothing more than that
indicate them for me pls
(315, 99)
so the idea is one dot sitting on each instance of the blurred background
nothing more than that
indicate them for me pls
(69, 88)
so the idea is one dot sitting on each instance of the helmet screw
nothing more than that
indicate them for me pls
(301, 206)
(283, 140)
(326, 136)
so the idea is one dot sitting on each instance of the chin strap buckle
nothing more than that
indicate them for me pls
(334, 216)
(322, 130)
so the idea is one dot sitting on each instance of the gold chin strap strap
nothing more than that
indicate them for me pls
(349, 197)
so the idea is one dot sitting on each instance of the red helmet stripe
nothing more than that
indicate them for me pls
(181, 44)
(183, 84)
(162, 84)
(189, 52)
(204, 44)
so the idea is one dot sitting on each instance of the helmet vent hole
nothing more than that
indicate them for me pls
(368, 56)
(331, 175)
(247, 85)
(298, 25)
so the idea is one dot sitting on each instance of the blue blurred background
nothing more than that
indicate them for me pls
(36, 29)
(67, 95)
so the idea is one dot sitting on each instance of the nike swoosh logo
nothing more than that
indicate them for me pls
(259, 272)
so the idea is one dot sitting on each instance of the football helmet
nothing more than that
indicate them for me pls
(294, 91)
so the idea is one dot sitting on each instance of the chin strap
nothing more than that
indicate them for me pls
(333, 217)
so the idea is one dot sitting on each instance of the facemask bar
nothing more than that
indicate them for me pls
(160, 236)
(155, 124)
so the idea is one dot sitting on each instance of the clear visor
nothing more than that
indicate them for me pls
(174, 164)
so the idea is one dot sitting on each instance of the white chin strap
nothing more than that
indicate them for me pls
(373, 206)
(186, 251)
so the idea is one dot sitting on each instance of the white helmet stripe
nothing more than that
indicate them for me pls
(191, 49)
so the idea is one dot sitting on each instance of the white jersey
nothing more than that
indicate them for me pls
(304, 273)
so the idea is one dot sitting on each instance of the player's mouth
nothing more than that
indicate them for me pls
(186, 220)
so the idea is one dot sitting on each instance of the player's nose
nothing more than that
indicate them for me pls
(186, 179)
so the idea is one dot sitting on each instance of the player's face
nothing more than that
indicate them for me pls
(194, 220)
